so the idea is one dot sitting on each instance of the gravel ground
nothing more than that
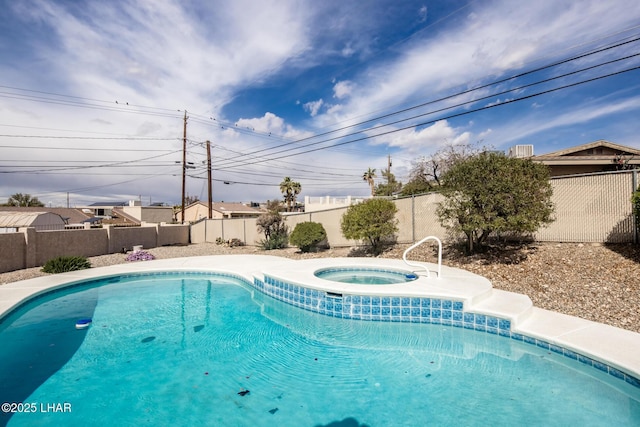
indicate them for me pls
(592, 281)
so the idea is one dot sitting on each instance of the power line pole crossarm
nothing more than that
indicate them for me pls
(209, 179)
(184, 164)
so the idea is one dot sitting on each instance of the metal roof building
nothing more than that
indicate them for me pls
(11, 221)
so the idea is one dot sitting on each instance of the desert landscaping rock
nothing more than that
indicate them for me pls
(593, 281)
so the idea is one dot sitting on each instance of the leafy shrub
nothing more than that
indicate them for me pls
(140, 256)
(635, 201)
(307, 236)
(271, 224)
(231, 242)
(235, 242)
(491, 193)
(372, 220)
(66, 263)
(275, 241)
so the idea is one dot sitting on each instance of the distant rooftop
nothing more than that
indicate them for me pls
(112, 203)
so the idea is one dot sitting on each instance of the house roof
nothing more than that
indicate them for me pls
(92, 220)
(108, 204)
(70, 215)
(233, 207)
(121, 216)
(227, 207)
(573, 151)
(15, 219)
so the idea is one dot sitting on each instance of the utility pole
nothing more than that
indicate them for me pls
(184, 162)
(388, 168)
(209, 180)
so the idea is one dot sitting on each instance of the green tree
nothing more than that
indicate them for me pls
(491, 193)
(390, 186)
(372, 220)
(24, 200)
(418, 179)
(290, 190)
(369, 176)
(272, 225)
(635, 202)
(427, 171)
(308, 235)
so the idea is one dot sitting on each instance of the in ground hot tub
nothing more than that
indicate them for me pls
(365, 275)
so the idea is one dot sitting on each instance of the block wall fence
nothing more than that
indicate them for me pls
(588, 208)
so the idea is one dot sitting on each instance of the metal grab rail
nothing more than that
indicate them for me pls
(415, 245)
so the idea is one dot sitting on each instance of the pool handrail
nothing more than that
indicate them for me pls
(415, 245)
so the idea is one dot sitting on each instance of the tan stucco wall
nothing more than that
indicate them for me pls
(31, 248)
(52, 244)
(12, 251)
(172, 234)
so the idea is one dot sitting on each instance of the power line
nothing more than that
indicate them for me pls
(448, 97)
(80, 148)
(448, 117)
(131, 138)
(106, 165)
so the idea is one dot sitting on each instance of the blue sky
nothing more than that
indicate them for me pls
(93, 94)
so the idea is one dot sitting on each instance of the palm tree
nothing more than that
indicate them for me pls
(20, 199)
(290, 190)
(368, 176)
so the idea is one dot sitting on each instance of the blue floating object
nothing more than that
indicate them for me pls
(411, 276)
(83, 323)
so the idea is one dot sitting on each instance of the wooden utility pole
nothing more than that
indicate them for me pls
(209, 179)
(184, 162)
(388, 168)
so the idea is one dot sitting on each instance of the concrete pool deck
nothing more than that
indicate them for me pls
(615, 347)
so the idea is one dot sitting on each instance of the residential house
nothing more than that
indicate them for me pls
(131, 212)
(597, 156)
(199, 210)
(314, 204)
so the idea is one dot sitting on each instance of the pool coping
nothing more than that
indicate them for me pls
(618, 348)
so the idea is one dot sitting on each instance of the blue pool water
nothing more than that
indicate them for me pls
(365, 276)
(201, 350)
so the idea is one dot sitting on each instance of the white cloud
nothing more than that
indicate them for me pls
(273, 125)
(427, 140)
(313, 107)
(532, 124)
(342, 89)
(422, 14)
(347, 50)
(489, 40)
(172, 57)
(484, 134)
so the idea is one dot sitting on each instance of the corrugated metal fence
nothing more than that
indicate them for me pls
(588, 208)
(593, 208)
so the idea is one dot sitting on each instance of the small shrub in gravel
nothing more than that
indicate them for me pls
(64, 264)
(308, 235)
(140, 256)
(235, 242)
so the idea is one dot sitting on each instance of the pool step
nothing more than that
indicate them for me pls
(506, 305)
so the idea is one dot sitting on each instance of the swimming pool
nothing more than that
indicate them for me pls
(365, 276)
(213, 348)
